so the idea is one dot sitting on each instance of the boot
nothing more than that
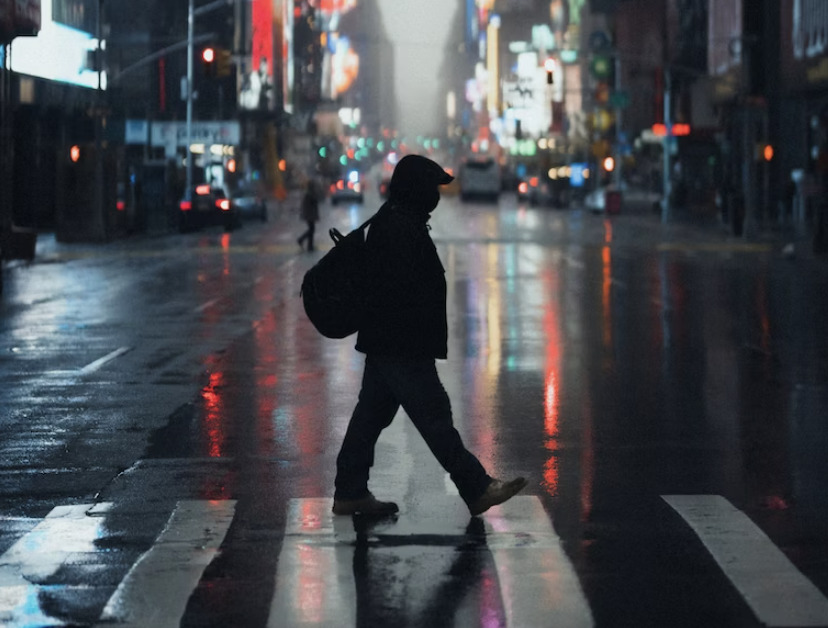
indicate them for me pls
(496, 493)
(368, 505)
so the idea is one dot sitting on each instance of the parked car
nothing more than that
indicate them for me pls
(480, 178)
(527, 189)
(546, 190)
(349, 187)
(207, 206)
(248, 203)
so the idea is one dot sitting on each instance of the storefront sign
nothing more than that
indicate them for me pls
(166, 133)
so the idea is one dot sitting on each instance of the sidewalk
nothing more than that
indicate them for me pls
(686, 227)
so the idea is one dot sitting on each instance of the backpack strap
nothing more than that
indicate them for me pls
(336, 234)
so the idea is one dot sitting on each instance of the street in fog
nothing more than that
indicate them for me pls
(169, 422)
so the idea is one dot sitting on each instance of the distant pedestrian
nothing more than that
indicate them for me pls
(404, 332)
(309, 212)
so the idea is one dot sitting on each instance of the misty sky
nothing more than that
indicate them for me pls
(418, 29)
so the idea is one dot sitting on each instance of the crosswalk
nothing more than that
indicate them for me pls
(316, 582)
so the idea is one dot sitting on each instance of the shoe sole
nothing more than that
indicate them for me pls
(365, 511)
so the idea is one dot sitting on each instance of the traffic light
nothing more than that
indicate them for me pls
(608, 164)
(208, 59)
(223, 61)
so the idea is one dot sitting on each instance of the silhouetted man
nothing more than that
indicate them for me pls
(404, 332)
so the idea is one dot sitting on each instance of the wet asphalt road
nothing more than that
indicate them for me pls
(169, 422)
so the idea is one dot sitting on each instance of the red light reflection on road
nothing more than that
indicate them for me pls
(490, 601)
(214, 415)
(225, 247)
(606, 296)
(551, 401)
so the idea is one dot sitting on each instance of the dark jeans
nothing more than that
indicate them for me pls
(387, 384)
(308, 235)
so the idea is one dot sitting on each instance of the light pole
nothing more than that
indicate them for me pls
(667, 184)
(190, 45)
(191, 15)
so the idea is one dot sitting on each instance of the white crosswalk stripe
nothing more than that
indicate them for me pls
(65, 531)
(775, 590)
(537, 580)
(316, 582)
(156, 589)
(154, 592)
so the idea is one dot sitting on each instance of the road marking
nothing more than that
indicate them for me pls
(315, 582)
(773, 587)
(157, 587)
(314, 578)
(206, 305)
(97, 364)
(537, 581)
(65, 532)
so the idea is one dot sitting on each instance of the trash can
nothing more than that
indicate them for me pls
(612, 202)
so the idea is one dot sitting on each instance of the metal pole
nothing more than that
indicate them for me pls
(619, 158)
(190, 33)
(665, 201)
(99, 220)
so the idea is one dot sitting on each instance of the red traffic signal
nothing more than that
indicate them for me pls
(208, 55)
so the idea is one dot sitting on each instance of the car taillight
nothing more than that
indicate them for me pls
(223, 204)
(202, 190)
(120, 206)
(185, 206)
(523, 188)
(533, 182)
(340, 185)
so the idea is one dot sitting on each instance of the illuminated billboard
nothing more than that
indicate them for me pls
(270, 66)
(58, 53)
(329, 7)
(257, 83)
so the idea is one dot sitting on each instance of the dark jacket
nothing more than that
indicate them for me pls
(406, 301)
(309, 208)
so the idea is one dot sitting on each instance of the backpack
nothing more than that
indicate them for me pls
(333, 290)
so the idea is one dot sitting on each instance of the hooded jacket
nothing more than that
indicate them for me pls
(406, 300)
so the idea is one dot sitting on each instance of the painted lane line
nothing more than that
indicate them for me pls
(777, 592)
(314, 578)
(315, 581)
(204, 306)
(97, 364)
(537, 580)
(156, 589)
(65, 532)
